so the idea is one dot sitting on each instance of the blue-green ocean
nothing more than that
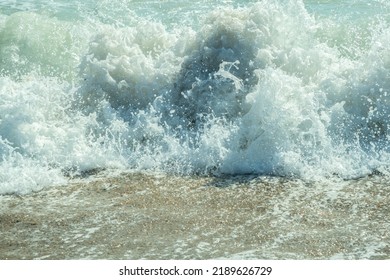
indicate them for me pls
(288, 89)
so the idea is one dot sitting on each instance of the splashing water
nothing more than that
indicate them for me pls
(266, 87)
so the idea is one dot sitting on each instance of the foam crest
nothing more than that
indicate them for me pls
(128, 66)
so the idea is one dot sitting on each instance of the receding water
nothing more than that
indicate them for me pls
(138, 216)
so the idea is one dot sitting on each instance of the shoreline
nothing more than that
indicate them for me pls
(139, 216)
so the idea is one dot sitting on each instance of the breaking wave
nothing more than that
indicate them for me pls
(267, 88)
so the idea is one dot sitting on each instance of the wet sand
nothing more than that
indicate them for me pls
(138, 216)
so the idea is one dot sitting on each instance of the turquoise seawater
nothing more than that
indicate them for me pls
(293, 88)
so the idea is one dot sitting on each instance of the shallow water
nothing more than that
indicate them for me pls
(136, 216)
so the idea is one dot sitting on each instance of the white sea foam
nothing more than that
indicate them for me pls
(265, 88)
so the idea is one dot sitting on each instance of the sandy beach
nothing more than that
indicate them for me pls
(138, 216)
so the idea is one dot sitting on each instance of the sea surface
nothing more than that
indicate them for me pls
(291, 91)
